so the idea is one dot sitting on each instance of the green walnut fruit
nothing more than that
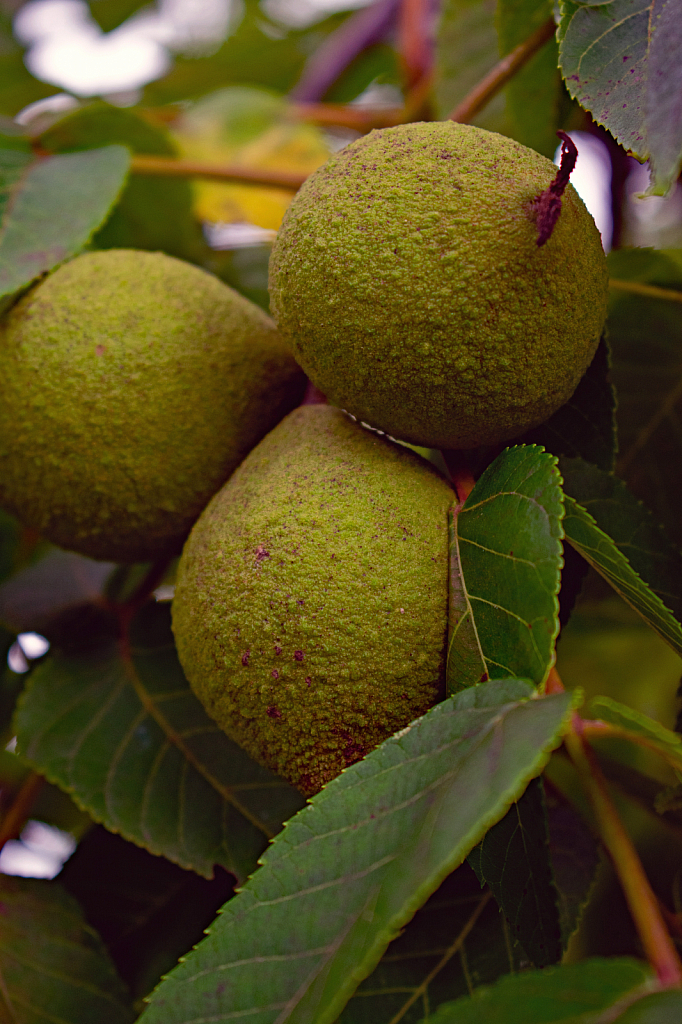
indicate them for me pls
(310, 611)
(133, 384)
(407, 276)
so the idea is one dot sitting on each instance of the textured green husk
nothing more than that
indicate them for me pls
(310, 612)
(406, 275)
(133, 385)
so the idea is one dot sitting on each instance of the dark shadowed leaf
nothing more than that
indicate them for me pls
(53, 209)
(621, 60)
(575, 857)
(456, 942)
(53, 967)
(147, 911)
(645, 334)
(351, 869)
(573, 994)
(630, 525)
(534, 93)
(119, 728)
(597, 548)
(513, 860)
(153, 213)
(505, 571)
(585, 427)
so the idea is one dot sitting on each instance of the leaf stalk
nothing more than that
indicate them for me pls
(643, 904)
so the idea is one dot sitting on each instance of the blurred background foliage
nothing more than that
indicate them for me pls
(246, 91)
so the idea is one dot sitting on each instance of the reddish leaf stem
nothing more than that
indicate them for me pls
(554, 684)
(416, 44)
(170, 167)
(20, 811)
(502, 73)
(643, 903)
(460, 473)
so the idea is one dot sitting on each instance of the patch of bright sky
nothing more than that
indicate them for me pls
(40, 852)
(591, 179)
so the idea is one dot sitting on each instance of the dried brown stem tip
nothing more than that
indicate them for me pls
(547, 205)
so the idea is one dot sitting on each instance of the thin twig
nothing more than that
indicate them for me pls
(502, 73)
(416, 45)
(166, 166)
(19, 813)
(340, 48)
(360, 119)
(650, 291)
(643, 904)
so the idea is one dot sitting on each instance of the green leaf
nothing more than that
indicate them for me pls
(630, 525)
(259, 52)
(645, 334)
(153, 213)
(147, 911)
(575, 859)
(53, 967)
(505, 571)
(54, 207)
(351, 869)
(466, 50)
(573, 993)
(585, 427)
(621, 60)
(109, 14)
(534, 93)
(657, 737)
(513, 860)
(119, 729)
(657, 1008)
(457, 941)
(597, 548)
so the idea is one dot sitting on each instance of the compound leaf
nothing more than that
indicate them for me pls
(505, 571)
(53, 207)
(351, 869)
(119, 728)
(597, 548)
(574, 993)
(53, 966)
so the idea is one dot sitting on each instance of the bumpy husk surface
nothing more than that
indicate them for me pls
(311, 604)
(406, 275)
(133, 385)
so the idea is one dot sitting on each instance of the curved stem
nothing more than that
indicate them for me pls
(502, 73)
(643, 904)
(650, 291)
(22, 805)
(170, 167)
(460, 473)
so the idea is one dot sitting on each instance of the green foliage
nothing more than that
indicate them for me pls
(572, 994)
(505, 554)
(386, 833)
(52, 208)
(615, 56)
(52, 965)
(645, 334)
(119, 728)
(366, 908)
(598, 548)
(140, 220)
(514, 861)
(533, 95)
